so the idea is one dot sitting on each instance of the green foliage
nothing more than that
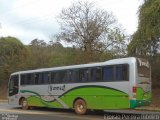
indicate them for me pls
(146, 40)
(9, 46)
(12, 54)
(39, 54)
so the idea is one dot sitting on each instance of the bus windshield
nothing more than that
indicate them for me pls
(13, 85)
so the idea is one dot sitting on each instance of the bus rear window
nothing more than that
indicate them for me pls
(143, 72)
(143, 68)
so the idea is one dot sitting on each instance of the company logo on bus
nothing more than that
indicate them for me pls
(62, 88)
(143, 63)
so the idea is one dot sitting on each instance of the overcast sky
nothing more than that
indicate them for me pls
(30, 19)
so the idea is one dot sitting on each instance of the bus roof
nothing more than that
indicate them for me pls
(109, 62)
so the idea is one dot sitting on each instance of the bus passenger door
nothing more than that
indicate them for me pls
(13, 89)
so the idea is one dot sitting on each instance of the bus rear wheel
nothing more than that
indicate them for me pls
(24, 104)
(80, 107)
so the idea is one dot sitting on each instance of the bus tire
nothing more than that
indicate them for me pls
(24, 104)
(80, 107)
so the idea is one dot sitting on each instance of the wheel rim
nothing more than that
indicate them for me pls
(80, 108)
(24, 104)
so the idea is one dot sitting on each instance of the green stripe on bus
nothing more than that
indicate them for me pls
(138, 103)
(96, 97)
(141, 94)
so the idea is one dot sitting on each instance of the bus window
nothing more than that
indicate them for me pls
(121, 72)
(57, 77)
(27, 79)
(40, 78)
(60, 76)
(143, 68)
(23, 82)
(108, 73)
(52, 77)
(36, 77)
(13, 85)
(63, 75)
(74, 76)
(84, 75)
(144, 71)
(67, 76)
(30, 79)
(96, 74)
(46, 77)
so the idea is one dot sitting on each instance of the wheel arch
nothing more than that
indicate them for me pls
(20, 100)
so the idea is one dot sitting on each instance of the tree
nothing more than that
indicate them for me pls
(90, 29)
(9, 46)
(12, 52)
(48, 55)
(12, 58)
(146, 40)
(40, 54)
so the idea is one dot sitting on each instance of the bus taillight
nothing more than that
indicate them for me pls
(134, 89)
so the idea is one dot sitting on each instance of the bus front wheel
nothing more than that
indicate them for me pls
(80, 107)
(24, 104)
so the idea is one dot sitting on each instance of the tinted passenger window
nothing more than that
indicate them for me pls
(27, 79)
(96, 74)
(84, 75)
(74, 76)
(68, 76)
(121, 72)
(30, 79)
(60, 76)
(108, 73)
(23, 82)
(46, 77)
(42, 78)
(52, 77)
(37, 78)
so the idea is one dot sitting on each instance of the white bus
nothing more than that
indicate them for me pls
(115, 84)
